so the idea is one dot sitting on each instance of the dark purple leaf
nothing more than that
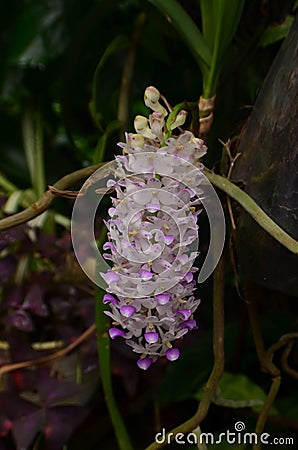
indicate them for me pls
(12, 236)
(19, 348)
(67, 333)
(21, 320)
(26, 428)
(45, 244)
(34, 301)
(13, 297)
(7, 268)
(5, 425)
(85, 310)
(60, 307)
(23, 380)
(64, 243)
(52, 390)
(61, 422)
(15, 407)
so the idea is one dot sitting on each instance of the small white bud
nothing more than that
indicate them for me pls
(151, 95)
(157, 123)
(151, 98)
(179, 120)
(141, 127)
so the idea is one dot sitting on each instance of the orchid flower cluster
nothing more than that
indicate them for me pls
(153, 235)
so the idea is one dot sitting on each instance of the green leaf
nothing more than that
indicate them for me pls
(99, 152)
(33, 143)
(207, 14)
(238, 391)
(118, 43)
(6, 184)
(275, 33)
(39, 33)
(232, 14)
(187, 29)
(226, 16)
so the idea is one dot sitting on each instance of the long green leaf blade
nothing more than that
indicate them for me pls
(226, 17)
(188, 30)
(275, 33)
(207, 14)
(117, 44)
(33, 145)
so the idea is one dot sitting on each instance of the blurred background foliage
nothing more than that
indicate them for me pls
(50, 51)
(72, 79)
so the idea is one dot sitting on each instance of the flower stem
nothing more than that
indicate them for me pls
(103, 346)
(46, 198)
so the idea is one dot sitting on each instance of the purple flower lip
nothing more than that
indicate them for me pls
(189, 277)
(172, 354)
(151, 337)
(185, 313)
(153, 207)
(109, 246)
(145, 274)
(189, 324)
(169, 239)
(111, 277)
(115, 332)
(144, 363)
(162, 299)
(127, 310)
(108, 298)
(111, 211)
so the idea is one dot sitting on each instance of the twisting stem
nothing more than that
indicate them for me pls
(284, 361)
(52, 357)
(265, 409)
(219, 360)
(254, 210)
(222, 183)
(265, 359)
(46, 199)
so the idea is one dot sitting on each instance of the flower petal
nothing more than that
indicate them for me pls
(108, 298)
(151, 337)
(172, 354)
(115, 332)
(127, 310)
(144, 363)
(162, 299)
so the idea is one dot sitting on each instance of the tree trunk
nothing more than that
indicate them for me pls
(268, 167)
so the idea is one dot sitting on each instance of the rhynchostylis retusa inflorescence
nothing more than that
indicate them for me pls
(153, 235)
